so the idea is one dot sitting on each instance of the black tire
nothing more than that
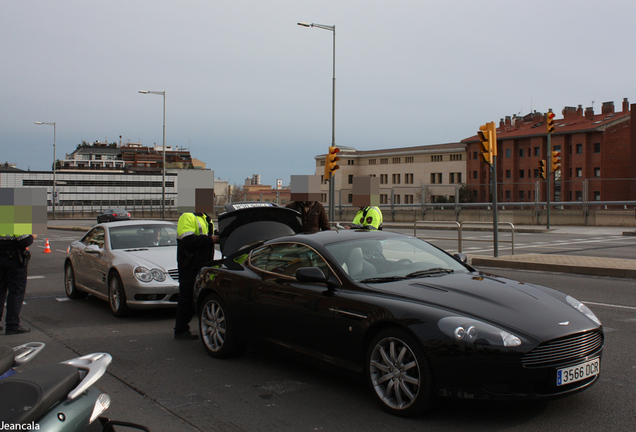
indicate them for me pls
(71, 289)
(217, 330)
(117, 296)
(398, 373)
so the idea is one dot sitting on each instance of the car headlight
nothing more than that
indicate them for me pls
(146, 275)
(473, 331)
(583, 309)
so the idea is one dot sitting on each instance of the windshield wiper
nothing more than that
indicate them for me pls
(383, 279)
(436, 270)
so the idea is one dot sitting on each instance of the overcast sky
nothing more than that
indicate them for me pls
(248, 91)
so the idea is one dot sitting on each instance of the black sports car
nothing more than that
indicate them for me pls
(416, 321)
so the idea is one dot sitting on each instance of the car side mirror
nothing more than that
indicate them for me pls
(311, 274)
(461, 257)
(92, 249)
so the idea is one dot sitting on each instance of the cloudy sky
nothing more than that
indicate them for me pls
(248, 91)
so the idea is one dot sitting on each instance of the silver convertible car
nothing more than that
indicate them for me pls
(132, 264)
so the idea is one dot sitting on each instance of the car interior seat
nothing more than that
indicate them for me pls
(356, 266)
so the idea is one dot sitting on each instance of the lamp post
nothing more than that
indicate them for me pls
(332, 188)
(163, 181)
(53, 195)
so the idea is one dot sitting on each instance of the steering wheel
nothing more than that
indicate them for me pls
(401, 262)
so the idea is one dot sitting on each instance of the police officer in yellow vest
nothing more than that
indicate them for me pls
(195, 247)
(368, 217)
(366, 195)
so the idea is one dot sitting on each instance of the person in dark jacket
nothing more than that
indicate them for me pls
(195, 247)
(14, 257)
(305, 193)
(313, 215)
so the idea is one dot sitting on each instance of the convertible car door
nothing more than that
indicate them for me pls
(94, 262)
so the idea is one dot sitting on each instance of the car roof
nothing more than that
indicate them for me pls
(323, 238)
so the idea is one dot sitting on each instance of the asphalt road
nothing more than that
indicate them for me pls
(173, 385)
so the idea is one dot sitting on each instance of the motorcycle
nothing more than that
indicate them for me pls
(57, 397)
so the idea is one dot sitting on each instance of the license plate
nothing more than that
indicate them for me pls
(578, 372)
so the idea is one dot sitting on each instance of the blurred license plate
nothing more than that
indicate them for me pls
(578, 372)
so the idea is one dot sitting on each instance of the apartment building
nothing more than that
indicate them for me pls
(598, 157)
(408, 175)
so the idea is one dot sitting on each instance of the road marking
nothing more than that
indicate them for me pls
(35, 277)
(611, 305)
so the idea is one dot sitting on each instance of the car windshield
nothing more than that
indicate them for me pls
(143, 236)
(390, 259)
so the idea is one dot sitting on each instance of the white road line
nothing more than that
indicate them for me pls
(36, 277)
(611, 305)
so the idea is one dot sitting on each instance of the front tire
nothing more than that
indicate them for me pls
(117, 296)
(69, 283)
(217, 330)
(398, 373)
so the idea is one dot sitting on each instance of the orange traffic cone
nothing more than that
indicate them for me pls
(47, 248)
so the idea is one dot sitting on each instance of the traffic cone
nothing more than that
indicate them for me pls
(47, 248)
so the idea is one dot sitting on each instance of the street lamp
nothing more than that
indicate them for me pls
(332, 189)
(163, 181)
(53, 195)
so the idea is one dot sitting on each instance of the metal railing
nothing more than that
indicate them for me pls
(460, 229)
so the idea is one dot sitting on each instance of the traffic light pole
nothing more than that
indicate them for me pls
(548, 169)
(495, 213)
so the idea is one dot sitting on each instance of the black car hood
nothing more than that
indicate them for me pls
(534, 310)
(249, 222)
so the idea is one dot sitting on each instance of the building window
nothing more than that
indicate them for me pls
(396, 178)
(408, 178)
(508, 174)
(397, 160)
(350, 178)
(436, 158)
(408, 159)
(597, 147)
(349, 198)
(371, 161)
(396, 199)
(384, 161)
(456, 157)
(579, 148)
(597, 172)
(579, 195)
(597, 195)
(520, 152)
(436, 178)
(384, 178)
(536, 151)
(408, 199)
(323, 197)
(451, 178)
(351, 162)
(475, 157)
(384, 199)
(508, 194)
(508, 153)
(475, 176)
(522, 173)
(521, 195)
(579, 172)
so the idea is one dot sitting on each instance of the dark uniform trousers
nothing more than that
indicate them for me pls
(13, 280)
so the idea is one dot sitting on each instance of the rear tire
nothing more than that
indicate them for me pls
(398, 373)
(69, 283)
(217, 329)
(117, 296)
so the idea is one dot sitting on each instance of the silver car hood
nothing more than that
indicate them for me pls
(164, 257)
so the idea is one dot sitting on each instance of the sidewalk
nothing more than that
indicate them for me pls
(594, 266)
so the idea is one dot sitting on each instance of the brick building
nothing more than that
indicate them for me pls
(598, 157)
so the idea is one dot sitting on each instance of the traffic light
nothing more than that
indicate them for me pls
(331, 162)
(487, 142)
(549, 118)
(542, 169)
(556, 161)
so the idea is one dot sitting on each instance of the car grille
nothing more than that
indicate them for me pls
(174, 274)
(563, 350)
